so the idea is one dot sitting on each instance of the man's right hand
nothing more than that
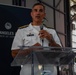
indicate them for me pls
(25, 51)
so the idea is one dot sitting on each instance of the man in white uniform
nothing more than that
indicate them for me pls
(33, 34)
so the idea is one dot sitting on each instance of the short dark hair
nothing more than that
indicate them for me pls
(38, 4)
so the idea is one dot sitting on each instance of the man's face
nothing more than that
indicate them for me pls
(38, 13)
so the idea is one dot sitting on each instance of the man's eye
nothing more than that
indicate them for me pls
(41, 10)
(35, 10)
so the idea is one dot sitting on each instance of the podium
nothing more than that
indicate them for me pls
(38, 57)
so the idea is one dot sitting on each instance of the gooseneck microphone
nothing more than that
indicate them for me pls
(41, 28)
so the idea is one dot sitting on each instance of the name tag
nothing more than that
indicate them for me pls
(30, 34)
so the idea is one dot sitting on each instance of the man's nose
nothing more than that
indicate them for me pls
(38, 12)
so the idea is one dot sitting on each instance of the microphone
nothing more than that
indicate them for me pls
(41, 28)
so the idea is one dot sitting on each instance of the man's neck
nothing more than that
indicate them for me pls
(36, 23)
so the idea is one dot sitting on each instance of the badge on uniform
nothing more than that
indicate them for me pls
(30, 34)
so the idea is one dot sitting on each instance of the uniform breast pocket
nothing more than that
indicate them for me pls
(30, 41)
(27, 40)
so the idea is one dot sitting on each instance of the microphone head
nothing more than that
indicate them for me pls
(41, 27)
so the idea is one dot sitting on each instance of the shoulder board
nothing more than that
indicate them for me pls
(24, 26)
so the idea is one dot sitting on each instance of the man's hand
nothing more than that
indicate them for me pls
(25, 51)
(49, 37)
(45, 34)
(37, 44)
(36, 48)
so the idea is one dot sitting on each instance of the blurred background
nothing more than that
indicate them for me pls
(60, 15)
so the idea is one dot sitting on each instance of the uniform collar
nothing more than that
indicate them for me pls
(32, 28)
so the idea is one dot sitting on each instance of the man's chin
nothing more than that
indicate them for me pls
(37, 20)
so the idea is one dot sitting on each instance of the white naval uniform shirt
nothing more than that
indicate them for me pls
(29, 36)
